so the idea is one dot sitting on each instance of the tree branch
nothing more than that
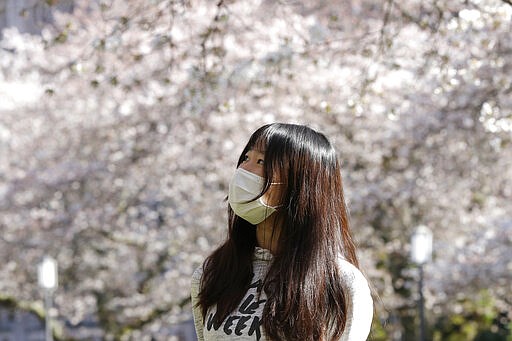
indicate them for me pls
(387, 14)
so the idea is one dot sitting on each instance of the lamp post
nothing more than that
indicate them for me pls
(48, 281)
(421, 252)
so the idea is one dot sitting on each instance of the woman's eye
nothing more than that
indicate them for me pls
(260, 161)
(246, 158)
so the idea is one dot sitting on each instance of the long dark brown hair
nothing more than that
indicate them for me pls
(305, 297)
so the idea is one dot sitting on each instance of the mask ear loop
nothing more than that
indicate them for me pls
(275, 183)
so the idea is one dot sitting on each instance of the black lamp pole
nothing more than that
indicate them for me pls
(421, 305)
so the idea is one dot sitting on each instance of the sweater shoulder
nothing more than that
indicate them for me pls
(197, 275)
(351, 275)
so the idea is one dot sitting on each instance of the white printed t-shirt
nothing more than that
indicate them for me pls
(245, 323)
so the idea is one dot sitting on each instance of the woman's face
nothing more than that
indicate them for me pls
(253, 162)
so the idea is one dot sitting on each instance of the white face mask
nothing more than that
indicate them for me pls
(243, 188)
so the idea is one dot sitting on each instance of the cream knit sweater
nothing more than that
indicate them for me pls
(244, 323)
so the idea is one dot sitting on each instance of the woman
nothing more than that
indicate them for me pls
(288, 269)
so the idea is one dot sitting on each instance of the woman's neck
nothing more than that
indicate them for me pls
(267, 233)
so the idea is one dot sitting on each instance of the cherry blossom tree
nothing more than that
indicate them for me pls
(121, 124)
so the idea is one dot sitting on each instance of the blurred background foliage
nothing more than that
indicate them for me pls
(121, 123)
